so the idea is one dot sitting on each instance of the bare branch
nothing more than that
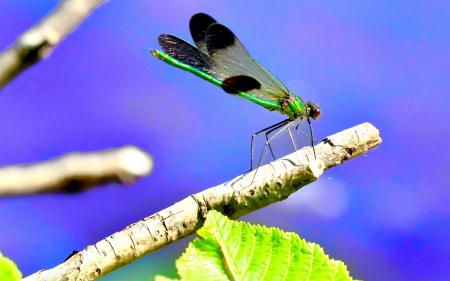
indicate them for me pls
(273, 182)
(76, 172)
(37, 42)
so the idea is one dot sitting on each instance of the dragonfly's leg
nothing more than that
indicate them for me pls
(292, 138)
(267, 137)
(252, 148)
(309, 136)
(312, 138)
(261, 158)
(300, 131)
(259, 132)
(293, 142)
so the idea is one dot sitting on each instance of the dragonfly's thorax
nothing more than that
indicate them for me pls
(294, 107)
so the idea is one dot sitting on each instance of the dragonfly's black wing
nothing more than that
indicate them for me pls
(232, 64)
(185, 52)
(198, 25)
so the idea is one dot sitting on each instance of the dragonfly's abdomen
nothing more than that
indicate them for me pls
(168, 59)
(294, 107)
(269, 105)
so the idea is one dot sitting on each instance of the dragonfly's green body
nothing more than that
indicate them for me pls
(294, 106)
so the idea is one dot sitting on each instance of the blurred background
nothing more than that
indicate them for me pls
(386, 215)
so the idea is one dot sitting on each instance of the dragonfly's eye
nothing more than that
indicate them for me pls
(313, 110)
(316, 113)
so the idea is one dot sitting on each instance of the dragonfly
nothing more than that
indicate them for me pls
(221, 59)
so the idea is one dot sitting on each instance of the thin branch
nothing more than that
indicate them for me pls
(273, 182)
(37, 42)
(76, 172)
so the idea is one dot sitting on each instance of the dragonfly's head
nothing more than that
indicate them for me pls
(313, 110)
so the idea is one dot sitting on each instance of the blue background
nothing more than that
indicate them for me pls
(385, 215)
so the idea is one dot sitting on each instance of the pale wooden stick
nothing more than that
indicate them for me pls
(37, 42)
(76, 172)
(273, 182)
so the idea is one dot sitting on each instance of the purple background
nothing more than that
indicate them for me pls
(385, 215)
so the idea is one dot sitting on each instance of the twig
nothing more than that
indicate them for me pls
(76, 172)
(37, 42)
(274, 182)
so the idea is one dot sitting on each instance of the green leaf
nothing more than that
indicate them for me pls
(229, 250)
(8, 270)
(163, 278)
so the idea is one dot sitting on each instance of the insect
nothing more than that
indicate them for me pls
(220, 58)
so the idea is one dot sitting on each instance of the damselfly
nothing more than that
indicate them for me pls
(220, 58)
